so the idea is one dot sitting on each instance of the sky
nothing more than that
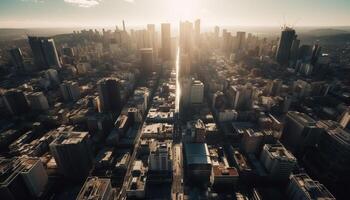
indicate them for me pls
(84, 13)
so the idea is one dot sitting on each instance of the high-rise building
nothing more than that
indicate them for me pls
(166, 41)
(109, 95)
(44, 52)
(278, 162)
(96, 188)
(294, 51)
(22, 178)
(241, 96)
(197, 31)
(302, 187)
(240, 41)
(70, 90)
(16, 102)
(299, 132)
(199, 132)
(17, 58)
(151, 28)
(197, 92)
(186, 37)
(37, 101)
(147, 60)
(285, 44)
(332, 152)
(159, 159)
(72, 153)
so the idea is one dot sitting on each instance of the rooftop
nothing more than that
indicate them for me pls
(197, 153)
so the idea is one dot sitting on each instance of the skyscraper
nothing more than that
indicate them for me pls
(109, 95)
(197, 31)
(147, 64)
(44, 52)
(17, 58)
(240, 41)
(16, 102)
(166, 41)
(72, 153)
(70, 90)
(285, 44)
(186, 37)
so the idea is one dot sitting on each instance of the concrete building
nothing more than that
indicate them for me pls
(17, 59)
(299, 132)
(22, 178)
(96, 188)
(16, 102)
(44, 52)
(197, 92)
(166, 41)
(241, 97)
(278, 162)
(109, 95)
(285, 44)
(70, 91)
(159, 158)
(302, 187)
(198, 162)
(147, 60)
(72, 153)
(37, 101)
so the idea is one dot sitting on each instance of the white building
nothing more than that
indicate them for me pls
(197, 92)
(278, 162)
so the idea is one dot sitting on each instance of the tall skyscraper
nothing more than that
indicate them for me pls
(197, 31)
(151, 28)
(285, 44)
(240, 41)
(147, 62)
(16, 102)
(166, 41)
(294, 51)
(186, 37)
(17, 58)
(44, 52)
(37, 101)
(109, 95)
(72, 153)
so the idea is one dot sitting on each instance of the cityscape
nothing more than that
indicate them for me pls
(173, 108)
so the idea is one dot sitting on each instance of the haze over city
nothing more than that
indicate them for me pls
(77, 13)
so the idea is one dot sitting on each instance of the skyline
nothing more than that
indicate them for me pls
(102, 13)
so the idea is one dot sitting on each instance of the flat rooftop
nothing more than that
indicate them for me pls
(197, 153)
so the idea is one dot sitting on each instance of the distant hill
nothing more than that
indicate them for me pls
(326, 32)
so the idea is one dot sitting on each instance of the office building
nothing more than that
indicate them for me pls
(285, 44)
(198, 163)
(199, 132)
(37, 101)
(294, 51)
(22, 178)
(16, 102)
(302, 187)
(159, 158)
(17, 58)
(151, 28)
(197, 92)
(109, 95)
(186, 37)
(44, 52)
(333, 152)
(278, 161)
(70, 91)
(197, 32)
(72, 153)
(240, 41)
(299, 131)
(166, 41)
(241, 97)
(147, 60)
(96, 188)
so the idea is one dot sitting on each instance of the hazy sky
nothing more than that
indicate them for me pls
(69, 13)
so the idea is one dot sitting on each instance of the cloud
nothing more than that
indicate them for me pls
(84, 3)
(130, 1)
